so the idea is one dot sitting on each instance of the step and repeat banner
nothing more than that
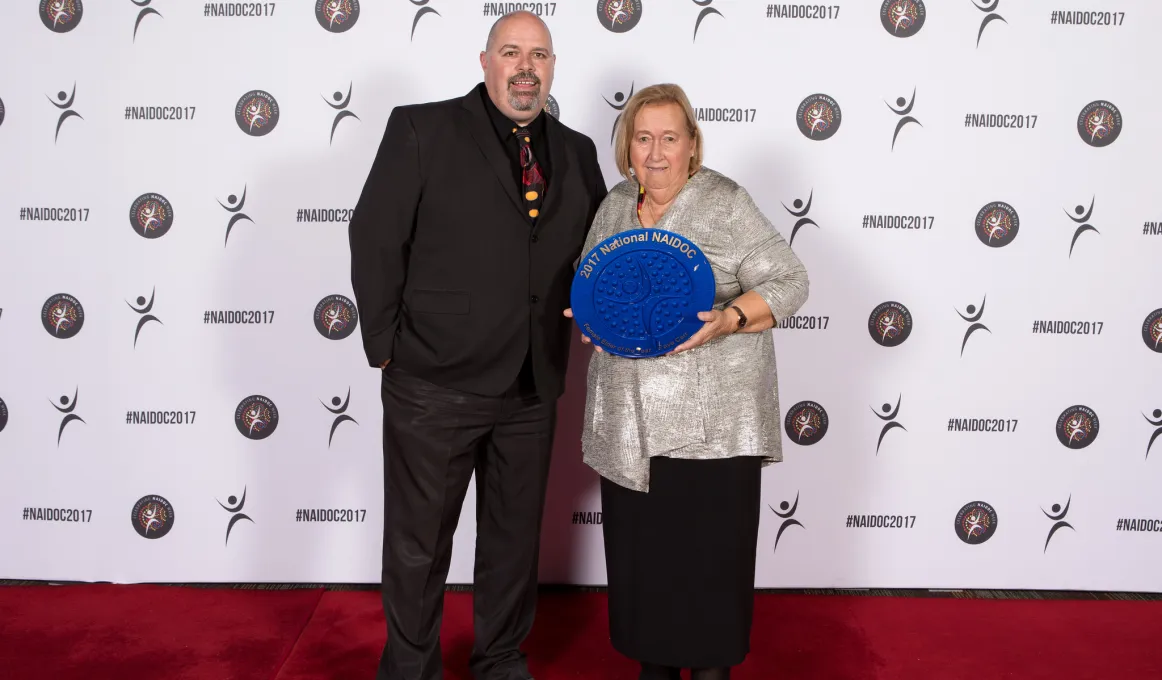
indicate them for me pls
(972, 394)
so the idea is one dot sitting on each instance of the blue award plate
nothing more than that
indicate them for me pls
(638, 293)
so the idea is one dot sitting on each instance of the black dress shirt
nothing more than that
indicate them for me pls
(537, 140)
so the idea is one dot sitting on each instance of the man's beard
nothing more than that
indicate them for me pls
(524, 102)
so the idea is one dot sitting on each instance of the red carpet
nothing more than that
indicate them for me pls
(102, 632)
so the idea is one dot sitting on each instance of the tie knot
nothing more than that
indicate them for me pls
(521, 132)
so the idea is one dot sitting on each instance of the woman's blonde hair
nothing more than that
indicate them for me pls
(665, 93)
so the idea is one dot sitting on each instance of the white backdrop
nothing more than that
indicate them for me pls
(71, 223)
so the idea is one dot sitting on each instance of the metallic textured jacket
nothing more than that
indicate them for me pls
(715, 401)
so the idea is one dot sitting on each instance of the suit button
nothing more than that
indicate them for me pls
(533, 299)
(534, 238)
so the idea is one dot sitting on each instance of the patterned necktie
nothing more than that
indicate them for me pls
(531, 177)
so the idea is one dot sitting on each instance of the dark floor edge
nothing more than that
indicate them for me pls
(968, 593)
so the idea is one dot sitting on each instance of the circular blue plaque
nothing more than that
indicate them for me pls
(638, 293)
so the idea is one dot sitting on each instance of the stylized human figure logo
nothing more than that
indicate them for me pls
(1058, 517)
(340, 411)
(146, 11)
(800, 211)
(973, 319)
(788, 517)
(890, 418)
(235, 510)
(1156, 421)
(989, 7)
(143, 308)
(1082, 219)
(707, 10)
(621, 100)
(66, 107)
(423, 9)
(340, 105)
(903, 108)
(68, 407)
(234, 206)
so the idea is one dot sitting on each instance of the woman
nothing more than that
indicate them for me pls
(679, 440)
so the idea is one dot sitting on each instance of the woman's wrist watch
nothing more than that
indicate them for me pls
(741, 316)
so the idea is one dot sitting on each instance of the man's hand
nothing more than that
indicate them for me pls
(584, 338)
(384, 364)
(717, 324)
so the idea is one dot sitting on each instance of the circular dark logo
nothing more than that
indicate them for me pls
(552, 109)
(256, 113)
(976, 522)
(902, 18)
(997, 224)
(890, 324)
(151, 216)
(62, 316)
(61, 16)
(256, 417)
(1152, 330)
(336, 317)
(1077, 427)
(152, 516)
(1, 111)
(619, 16)
(818, 117)
(337, 16)
(3, 415)
(806, 423)
(1099, 123)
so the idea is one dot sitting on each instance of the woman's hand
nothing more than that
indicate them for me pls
(718, 324)
(584, 338)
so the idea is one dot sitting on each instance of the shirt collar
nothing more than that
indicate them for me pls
(504, 125)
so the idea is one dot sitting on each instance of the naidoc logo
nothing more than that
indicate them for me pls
(1057, 515)
(622, 100)
(235, 509)
(339, 409)
(1082, 220)
(1156, 422)
(976, 522)
(151, 216)
(903, 18)
(707, 10)
(786, 512)
(256, 417)
(145, 11)
(336, 317)
(66, 107)
(1099, 123)
(143, 308)
(890, 324)
(806, 423)
(61, 16)
(997, 224)
(818, 117)
(890, 422)
(340, 105)
(234, 206)
(800, 213)
(1077, 427)
(423, 10)
(337, 16)
(62, 316)
(989, 7)
(1152, 330)
(3, 415)
(551, 108)
(619, 16)
(973, 319)
(256, 113)
(1, 111)
(67, 407)
(152, 516)
(903, 109)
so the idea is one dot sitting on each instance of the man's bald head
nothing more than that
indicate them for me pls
(522, 14)
(518, 64)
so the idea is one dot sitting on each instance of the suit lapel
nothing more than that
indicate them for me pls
(561, 157)
(483, 133)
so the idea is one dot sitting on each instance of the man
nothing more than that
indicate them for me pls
(462, 247)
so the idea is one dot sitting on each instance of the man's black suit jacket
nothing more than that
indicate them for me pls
(451, 280)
